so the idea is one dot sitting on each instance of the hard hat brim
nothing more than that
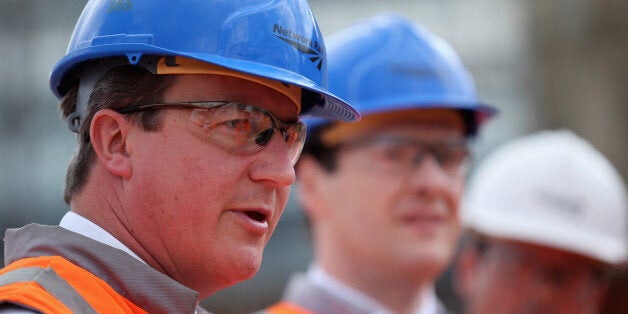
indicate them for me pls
(479, 112)
(331, 107)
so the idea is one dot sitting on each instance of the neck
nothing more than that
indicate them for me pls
(100, 202)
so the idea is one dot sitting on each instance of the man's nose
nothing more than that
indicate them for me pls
(273, 163)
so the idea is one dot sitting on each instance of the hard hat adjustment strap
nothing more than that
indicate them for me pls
(92, 72)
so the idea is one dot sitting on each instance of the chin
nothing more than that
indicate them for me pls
(230, 276)
(245, 267)
(249, 272)
(435, 258)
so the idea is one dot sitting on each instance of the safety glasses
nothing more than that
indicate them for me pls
(240, 128)
(398, 153)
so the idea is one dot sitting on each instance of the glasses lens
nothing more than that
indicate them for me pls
(405, 153)
(264, 137)
(233, 127)
(295, 138)
(246, 129)
(450, 155)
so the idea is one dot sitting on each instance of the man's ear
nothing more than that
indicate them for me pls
(108, 134)
(310, 177)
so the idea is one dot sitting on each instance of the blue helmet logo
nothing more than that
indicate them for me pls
(301, 43)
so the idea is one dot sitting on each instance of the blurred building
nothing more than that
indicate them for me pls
(544, 64)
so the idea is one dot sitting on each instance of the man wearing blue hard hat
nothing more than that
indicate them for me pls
(187, 115)
(382, 194)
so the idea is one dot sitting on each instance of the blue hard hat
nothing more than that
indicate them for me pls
(387, 63)
(275, 39)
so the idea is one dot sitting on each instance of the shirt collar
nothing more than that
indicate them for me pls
(315, 273)
(323, 279)
(81, 225)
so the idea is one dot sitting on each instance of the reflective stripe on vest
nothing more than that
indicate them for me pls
(48, 279)
(54, 284)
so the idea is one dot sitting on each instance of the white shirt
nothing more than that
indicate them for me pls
(79, 224)
(429, 303)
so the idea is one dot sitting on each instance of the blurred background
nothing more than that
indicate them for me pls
(544, 64)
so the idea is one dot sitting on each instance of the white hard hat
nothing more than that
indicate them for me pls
(552, 189)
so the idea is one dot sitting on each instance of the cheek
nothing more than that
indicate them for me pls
(451, 197)
(360, 203)
(456, 185)
(281, 201)
(180, 181)
(180, 174)
(195, 165)
(495, 288)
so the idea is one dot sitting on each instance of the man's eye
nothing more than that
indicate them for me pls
(444, 156)
(450, 156)
(238, 125)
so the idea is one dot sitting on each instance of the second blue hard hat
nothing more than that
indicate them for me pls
(387, 63)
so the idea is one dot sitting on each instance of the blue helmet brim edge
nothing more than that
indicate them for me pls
(481, 112)
(332, 107)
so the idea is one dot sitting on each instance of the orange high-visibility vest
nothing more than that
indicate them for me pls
(286, 308)
(52, 284)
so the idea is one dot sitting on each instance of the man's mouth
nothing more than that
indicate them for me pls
(424, 218)
(256, 220)
(256, 215)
